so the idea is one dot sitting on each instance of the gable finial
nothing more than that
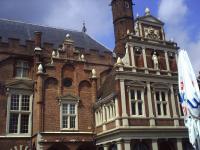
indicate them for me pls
(147, 11)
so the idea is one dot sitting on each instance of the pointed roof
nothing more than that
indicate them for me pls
(25, 31)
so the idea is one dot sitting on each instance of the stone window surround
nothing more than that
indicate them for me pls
(69, 99)
(136, 101)
(19, 92)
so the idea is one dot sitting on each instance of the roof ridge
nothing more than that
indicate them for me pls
(34, 24)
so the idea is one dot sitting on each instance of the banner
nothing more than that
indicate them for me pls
(189, 98)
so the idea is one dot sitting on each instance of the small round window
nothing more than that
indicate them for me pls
(67, 82)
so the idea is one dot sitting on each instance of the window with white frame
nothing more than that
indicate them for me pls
(161, 98)
(69, 116)
(22, 69)
(136, 97)
(19, 114)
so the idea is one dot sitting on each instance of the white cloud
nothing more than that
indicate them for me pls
(70, 14)
(174, 13)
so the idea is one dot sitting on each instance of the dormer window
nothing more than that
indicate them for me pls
(22, 69)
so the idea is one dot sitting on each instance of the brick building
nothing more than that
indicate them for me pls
(61, 89)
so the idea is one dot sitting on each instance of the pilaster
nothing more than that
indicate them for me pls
(150, 105)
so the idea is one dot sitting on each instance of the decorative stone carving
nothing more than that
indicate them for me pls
(119, 61)
(82, 57)
(125, 59)
(40, 68)
(155, 60)
(147, 12)
(136, 29)
(151, 33)
(94, 73)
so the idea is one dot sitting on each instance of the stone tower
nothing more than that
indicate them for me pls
(123, 20)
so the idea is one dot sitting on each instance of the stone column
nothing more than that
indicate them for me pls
(117, 123)
(175, 115)
(179, 144)
(154, 144)
(150, 105)
(105, 147)
(167, 63)
(127, 145)
(145, 59)
(133, 58)
(119, 145)
(123, 101)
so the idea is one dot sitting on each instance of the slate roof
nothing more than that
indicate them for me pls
(25, 31)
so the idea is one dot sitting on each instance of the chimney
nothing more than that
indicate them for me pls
(38, 39)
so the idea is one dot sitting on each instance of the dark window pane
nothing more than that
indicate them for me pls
(18, 72)
(65, 108)
(181, 110)
(133, 108)
(163, 96)
(24, 123)
(14, 102)
(13, 124)
(72, 122)
(132, 94)
(140, 108)
(165, 109)
(25, 72)
(65, 121)
(157, 96)
(159, 109)
(139, 95)
(72, 109)
(25, 102)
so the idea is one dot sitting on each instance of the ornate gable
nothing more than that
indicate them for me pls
(151, 19)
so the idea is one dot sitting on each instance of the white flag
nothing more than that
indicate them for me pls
(189, 98)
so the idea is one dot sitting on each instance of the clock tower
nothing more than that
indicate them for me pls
(123, 20)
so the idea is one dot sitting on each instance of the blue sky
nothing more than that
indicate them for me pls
(181, 17)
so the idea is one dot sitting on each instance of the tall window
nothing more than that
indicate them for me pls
(162, 103)
(137, 102)
(22, 69)
(19, 112)
(69, 116)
